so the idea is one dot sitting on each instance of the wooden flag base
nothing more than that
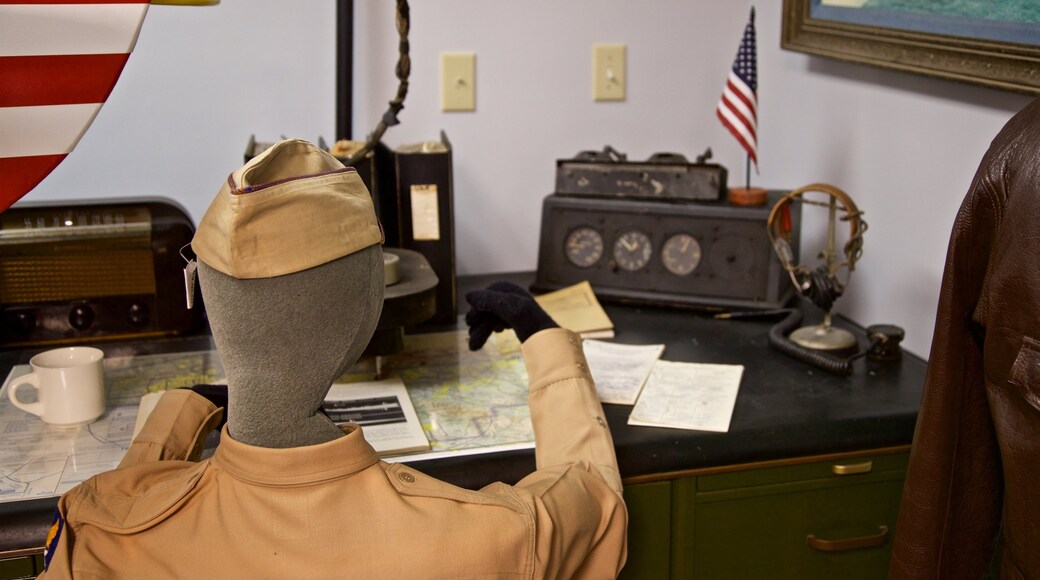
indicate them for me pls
(747, 196)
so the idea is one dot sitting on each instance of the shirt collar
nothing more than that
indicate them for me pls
(341, 457)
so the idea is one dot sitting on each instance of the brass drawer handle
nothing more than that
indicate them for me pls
(852, 468)
(874, 541)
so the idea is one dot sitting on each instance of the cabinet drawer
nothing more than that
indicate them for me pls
(825, 470)
(767, 536)
(826, 519)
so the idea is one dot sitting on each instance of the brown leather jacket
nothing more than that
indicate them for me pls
(974, 469)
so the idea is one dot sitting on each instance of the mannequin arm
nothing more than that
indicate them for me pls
(176, 429)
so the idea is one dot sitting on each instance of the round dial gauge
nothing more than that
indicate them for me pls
(584, 247)
(681, 254)
(632, 250)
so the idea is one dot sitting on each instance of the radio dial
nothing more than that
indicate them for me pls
(81, 317)
(22, 322)
(137, 315)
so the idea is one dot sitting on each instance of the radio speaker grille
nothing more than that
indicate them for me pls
(70, 275)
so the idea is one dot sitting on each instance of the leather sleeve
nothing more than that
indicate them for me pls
(581, 519)
(176, 429)
(951, 512)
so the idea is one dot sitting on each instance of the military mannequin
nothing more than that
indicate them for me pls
(290, 267)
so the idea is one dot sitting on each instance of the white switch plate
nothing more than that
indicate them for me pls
(458, 81)
(608, 72)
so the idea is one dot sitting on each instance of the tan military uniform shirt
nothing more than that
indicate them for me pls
(335, 510)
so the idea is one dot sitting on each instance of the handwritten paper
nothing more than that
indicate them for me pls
(688, 396)
(620, 370)
(577, 309)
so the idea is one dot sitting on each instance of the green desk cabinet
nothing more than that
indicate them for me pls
(814, 518)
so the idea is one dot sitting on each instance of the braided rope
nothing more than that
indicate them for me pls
(403, 70)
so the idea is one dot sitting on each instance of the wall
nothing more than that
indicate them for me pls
(203, 79)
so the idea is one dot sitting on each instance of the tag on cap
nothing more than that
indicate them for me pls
(189, 282)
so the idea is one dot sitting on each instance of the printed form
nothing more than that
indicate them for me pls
(688, 396)
(620, 370)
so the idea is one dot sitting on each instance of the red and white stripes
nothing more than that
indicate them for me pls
(58, 63)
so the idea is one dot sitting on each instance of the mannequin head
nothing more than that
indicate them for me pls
(292, 274)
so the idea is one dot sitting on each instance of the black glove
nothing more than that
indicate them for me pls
(500, 306)
(216, 394)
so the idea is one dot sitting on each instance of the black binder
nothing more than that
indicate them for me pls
(427, 215)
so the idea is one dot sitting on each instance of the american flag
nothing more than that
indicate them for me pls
(738, 107)
(59, 60)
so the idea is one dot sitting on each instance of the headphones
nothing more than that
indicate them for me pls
(821, 285)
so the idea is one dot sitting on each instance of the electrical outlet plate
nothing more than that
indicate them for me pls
(458, 81)
(608, 72)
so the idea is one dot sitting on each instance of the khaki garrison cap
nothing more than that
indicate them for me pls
(291, 208)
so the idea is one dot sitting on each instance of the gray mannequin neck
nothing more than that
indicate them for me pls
(283, 341)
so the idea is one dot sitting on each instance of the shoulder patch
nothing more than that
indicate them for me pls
(53, 537)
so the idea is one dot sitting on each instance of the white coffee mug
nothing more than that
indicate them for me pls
(70, 386)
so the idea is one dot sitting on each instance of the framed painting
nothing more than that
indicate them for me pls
(995, 44)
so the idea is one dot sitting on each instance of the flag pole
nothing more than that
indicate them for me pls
(747, 166)
(747, 158)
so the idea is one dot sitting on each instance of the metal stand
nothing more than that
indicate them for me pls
(824, 336)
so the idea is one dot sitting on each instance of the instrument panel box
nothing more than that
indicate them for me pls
(710, 256)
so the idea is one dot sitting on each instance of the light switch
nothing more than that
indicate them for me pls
(608, 72)
(458, 81)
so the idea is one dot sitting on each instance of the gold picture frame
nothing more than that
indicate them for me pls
(1011, 66)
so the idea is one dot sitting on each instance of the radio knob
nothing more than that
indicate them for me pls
(81, 317)
(22, 323)
(137, 315)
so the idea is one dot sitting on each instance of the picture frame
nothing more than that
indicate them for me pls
(1002, 57)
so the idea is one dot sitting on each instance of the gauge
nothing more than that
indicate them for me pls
(732, 257)
(584, 247)
(681, 254)
(632, 250)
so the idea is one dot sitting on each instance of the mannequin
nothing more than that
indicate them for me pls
(290, 263)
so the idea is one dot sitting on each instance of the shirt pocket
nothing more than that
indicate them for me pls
(1025, 372)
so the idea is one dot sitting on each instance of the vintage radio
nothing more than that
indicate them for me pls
(708, 255)
(662, 177)
(99, 270)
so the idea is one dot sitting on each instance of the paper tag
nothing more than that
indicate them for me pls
(189, 282)
(426, 224)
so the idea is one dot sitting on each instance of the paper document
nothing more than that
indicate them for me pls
(145, 408)
(688, 396)
(576, 308)
(385, 412)
(620, 370)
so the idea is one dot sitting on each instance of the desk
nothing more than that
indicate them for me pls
(786, 416)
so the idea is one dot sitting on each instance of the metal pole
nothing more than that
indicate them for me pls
(344, 69)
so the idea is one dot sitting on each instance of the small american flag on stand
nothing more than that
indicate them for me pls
(738, 107)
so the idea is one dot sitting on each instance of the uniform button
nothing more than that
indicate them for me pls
(600, 421)
(581, 367)
(406, 477)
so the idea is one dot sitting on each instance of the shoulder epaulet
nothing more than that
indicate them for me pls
(133, 498)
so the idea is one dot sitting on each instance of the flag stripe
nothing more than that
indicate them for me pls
(21, 174)
(746, 115)
(48, 130)
(58, 80)
(738, 91)
(738, 122)
(39, 29)
(739, 131)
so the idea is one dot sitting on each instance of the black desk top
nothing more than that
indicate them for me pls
(785, 408)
